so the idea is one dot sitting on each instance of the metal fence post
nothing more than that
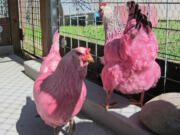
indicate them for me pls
(54, 16)
(166, 49)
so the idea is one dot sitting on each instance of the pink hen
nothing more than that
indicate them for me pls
(59, 90)
(129, 56)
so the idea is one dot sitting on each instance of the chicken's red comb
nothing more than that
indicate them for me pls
(88, 50)
(103, 4)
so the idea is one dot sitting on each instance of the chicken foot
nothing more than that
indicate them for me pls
(56, 132)
(72, 127)
(109, 104)
(140, 102)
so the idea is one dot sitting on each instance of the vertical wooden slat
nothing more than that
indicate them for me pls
(14, 21)
(45, 25)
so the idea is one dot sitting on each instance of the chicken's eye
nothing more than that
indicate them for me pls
(78, 53)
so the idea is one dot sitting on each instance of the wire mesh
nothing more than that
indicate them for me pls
(96, 33)
(5, 36)
(29, 11)
(81, 25)
(4, 9)
(85, 28)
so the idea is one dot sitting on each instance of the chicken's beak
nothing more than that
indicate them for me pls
(90, 59)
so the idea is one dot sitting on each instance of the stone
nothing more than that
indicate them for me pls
(162, 114)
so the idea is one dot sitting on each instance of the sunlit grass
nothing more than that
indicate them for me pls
(88, 34)
(96, 34)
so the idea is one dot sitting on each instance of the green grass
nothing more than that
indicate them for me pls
(31, 48)
(173, 39)
(28, 33)
(89, 31)
(36, 49)
(89, 34)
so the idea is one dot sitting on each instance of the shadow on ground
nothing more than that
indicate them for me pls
(30, 124)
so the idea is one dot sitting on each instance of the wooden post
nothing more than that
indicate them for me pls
(45, 25)
(14, 21)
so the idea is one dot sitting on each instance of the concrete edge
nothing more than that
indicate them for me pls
(109, 119)
(6, 50)
(32, 68)
(93, 110)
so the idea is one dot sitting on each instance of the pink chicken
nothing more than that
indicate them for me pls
(129, 54)
(59, 90)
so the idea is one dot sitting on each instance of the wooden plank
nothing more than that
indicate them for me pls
(45, 25)
(14, 22)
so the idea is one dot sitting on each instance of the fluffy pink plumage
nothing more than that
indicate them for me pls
(129, 60)
(59, 90)
(51, 61)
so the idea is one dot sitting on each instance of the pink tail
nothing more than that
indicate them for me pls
(55, 44)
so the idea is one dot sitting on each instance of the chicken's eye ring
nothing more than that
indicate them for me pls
(78, 53)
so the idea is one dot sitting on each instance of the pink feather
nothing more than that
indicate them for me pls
(59, 90)
(129, 58)
(51, 61)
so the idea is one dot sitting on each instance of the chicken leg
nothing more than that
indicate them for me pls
(107, 104)
(56, 131)
(72, 127)
(140, 102)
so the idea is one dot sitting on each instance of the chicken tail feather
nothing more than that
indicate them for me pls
(55, 44)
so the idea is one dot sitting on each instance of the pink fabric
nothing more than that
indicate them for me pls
(123, 13)
(130, 65)
(59, 90)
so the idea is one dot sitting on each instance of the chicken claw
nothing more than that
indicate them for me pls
(72, 127)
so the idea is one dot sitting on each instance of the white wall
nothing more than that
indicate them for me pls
(173, 9)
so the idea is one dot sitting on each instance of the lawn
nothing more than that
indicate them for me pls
(35, 48)
(95, 34)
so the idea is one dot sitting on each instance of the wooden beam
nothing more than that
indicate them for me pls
(14, 22)
(45, 25)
